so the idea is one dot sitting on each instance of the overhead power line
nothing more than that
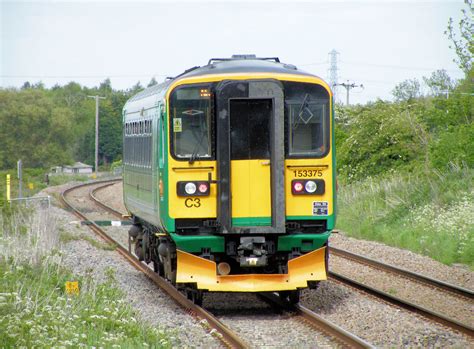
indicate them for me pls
(316, 63)
(79, 76)
(401, 67)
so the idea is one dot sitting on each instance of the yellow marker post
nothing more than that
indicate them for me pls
(8, 187)
(31, 186)
(72, 287)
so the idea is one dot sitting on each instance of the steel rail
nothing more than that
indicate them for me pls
(432, 315)
(228, 337)
(402, 272)
(109, 209)
(345, 338)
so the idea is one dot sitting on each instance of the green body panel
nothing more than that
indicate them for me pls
(167, 221)
(194, 243)
(251, 221)
(306, 242)
(148, 194)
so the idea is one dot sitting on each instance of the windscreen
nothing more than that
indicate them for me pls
(190, 122)
(307, 117)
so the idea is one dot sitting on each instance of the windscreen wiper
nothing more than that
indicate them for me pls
(303, 104)
(194, 155)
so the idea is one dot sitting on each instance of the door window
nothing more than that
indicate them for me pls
(250, 128)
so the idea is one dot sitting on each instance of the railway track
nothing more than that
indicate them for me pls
(314, 320)
(379, 294)
(464, 292)
(443, 287)
(228, 337)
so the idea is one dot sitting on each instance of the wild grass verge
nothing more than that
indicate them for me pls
(65, 237)
(35, 310)
(430, 213)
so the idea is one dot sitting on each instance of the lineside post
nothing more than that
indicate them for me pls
(8, 187)
(96, 132)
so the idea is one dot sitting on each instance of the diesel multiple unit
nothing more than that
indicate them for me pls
(229, 176)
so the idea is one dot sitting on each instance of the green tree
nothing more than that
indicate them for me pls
(440, 82)
(152, 82)
(407, 90)
(380, 136)
(33, 129)
(463, 45)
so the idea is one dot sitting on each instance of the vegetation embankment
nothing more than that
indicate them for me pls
(35, 309)
(406, 168)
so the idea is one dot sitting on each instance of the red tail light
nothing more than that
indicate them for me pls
(298, 187)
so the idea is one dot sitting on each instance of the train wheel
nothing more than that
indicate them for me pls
(294, 297)
(158, 268)
(291, 296)
(283, 295)
(194, 296)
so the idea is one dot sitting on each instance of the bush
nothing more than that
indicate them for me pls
(381, 136)
(453, 145)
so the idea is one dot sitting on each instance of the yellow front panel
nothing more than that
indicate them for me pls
(250, 187)
(308, 267)
(191, 207)
(248, 204)
(302, 205)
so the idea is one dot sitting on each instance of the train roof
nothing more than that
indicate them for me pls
(243, 65)
(235, 64)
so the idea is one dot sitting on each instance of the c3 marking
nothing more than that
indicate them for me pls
(192, 202)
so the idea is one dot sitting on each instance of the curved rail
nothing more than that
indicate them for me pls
(403, 272)
(110, 209)
(228, 337)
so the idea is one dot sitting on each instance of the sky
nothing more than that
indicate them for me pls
(380, 43)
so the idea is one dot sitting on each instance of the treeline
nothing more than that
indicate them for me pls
(46, 127)
(416, 131)
(55, 126)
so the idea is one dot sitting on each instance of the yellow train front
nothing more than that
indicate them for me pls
(229, 175)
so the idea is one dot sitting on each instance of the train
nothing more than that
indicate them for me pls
(229, 177)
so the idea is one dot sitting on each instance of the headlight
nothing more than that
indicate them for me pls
(193, 188)
(310, 187)
(190, 188)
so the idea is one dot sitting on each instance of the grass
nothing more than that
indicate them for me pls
(430, 213)
(35, 310)
(65, 237)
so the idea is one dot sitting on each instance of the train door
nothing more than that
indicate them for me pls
(250, 156)
(250, 121)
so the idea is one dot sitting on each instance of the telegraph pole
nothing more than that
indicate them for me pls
(96, 131)
(333, 71)
(348, 86)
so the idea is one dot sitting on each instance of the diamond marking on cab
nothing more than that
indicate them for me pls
(193, 112)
